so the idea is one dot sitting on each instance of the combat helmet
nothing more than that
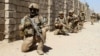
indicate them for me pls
(34, 5)
(61, 12)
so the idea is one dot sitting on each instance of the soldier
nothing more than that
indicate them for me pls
(30, 34)
(98, 17)
(72, 22)
(93, 18)
(81, 20)
(60, 25)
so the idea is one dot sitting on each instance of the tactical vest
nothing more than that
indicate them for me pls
(61, 20)
(82, 18)
(93, 17)
(28, 27)
(71, 19)
(29, 30)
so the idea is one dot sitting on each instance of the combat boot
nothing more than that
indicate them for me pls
(40, 52)
(66, 34)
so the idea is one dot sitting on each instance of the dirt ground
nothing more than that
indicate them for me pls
(84, 43)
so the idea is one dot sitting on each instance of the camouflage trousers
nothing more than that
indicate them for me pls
(73, 27)
(92, 21)
(80, 25)
(61, 31)
(30, 42)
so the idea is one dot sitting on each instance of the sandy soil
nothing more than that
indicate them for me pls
(84, 43)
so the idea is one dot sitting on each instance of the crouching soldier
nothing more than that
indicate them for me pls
(72, 22)
(81, 19)
(93, 18)
(34, 32)
(60, 25)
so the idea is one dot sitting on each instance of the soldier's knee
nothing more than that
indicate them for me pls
(55, 33)
(24, 50)
(45, 29)
(27, 44)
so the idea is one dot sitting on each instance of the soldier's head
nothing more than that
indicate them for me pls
(61, 14)
(71, 12)
(93, 13)
(34, 9)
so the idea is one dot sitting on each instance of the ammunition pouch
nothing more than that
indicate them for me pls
(28, 31)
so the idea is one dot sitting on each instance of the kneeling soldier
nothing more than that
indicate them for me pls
(34, 33)
(60, 25)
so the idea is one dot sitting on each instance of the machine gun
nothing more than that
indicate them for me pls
(34, 26)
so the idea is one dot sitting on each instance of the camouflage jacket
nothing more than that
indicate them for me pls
(82, 18)
(72, 18)
(59, 21)
(93, 16)
(28, 29)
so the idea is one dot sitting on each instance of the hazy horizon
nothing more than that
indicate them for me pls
(93, 4)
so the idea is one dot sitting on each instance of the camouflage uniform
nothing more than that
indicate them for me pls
(31, 37)
(72, 22)
(60, 25)
(93, 18)
(81, 20)
(98, 17)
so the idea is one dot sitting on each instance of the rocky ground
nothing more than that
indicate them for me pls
(84, 43)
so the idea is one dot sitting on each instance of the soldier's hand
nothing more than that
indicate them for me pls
(21, 27)
(56, 24)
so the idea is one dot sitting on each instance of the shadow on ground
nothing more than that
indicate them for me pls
(45, 49)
